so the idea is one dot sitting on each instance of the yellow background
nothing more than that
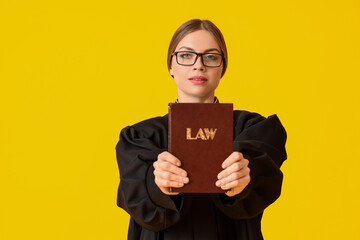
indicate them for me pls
(74, 73)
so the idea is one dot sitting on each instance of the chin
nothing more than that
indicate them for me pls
(201, 94)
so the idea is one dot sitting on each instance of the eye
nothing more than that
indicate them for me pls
(212, 57)
(186, 55)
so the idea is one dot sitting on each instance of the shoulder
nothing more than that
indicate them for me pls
(255, 133)
(151, 123)
(252, 117)
(245, 119)
(150, 129)
(242, 114)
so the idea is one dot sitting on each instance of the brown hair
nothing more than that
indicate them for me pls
(192, 26)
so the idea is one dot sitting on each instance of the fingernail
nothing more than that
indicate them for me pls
(180, 184)
(185, 180)
(183, 174)
(224, 165)
(220, 176)
(178, 163)
(218, 183)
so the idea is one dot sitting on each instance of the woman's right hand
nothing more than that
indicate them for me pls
(168, 173)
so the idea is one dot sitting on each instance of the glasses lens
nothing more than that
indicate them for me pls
(186, 58)
(212, 59)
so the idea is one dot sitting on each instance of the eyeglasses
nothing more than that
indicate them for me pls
(186, 58)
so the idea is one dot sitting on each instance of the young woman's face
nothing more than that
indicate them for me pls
(196, 83)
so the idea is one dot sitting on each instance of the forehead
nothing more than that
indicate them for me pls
(200, 40)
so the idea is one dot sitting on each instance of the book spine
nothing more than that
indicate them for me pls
(169, 128)
(169, 134)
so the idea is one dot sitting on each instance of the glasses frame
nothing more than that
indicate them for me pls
(197, 55)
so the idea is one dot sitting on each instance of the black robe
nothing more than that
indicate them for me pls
(155, 215)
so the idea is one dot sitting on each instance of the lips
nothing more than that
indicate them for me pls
(198, 78)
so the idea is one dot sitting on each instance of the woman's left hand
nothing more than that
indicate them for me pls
(236, 174)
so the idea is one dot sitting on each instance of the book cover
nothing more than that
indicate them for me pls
(201, 136)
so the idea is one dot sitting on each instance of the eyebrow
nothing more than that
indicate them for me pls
(207, 50)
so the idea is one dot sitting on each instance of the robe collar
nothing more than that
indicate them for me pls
(216, 100)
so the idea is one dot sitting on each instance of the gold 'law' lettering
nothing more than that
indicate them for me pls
(205, 134)
(210, 133)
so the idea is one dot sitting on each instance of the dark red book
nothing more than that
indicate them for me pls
(201, 136)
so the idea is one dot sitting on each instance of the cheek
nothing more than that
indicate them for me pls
(179, 72)
(217, 74)
(220, 71)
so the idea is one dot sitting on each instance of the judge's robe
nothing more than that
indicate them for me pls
(155, 215)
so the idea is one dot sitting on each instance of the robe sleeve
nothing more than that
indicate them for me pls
(262, 142)
(138, 195)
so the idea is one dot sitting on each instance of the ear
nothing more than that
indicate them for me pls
(171, 72)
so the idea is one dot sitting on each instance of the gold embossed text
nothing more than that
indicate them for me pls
(203, 134)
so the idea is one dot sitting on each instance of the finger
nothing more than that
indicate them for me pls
(167, 191)
(168, 183)
(234, 157)
(242, 182)
(168, 157)
(236, 166)
(169, 167)
(233, 177)
(170, 176)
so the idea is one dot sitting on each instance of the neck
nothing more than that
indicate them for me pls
(196, 99)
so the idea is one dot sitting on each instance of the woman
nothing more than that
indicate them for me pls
(251, 176)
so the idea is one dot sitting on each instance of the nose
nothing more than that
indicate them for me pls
(198, 64)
